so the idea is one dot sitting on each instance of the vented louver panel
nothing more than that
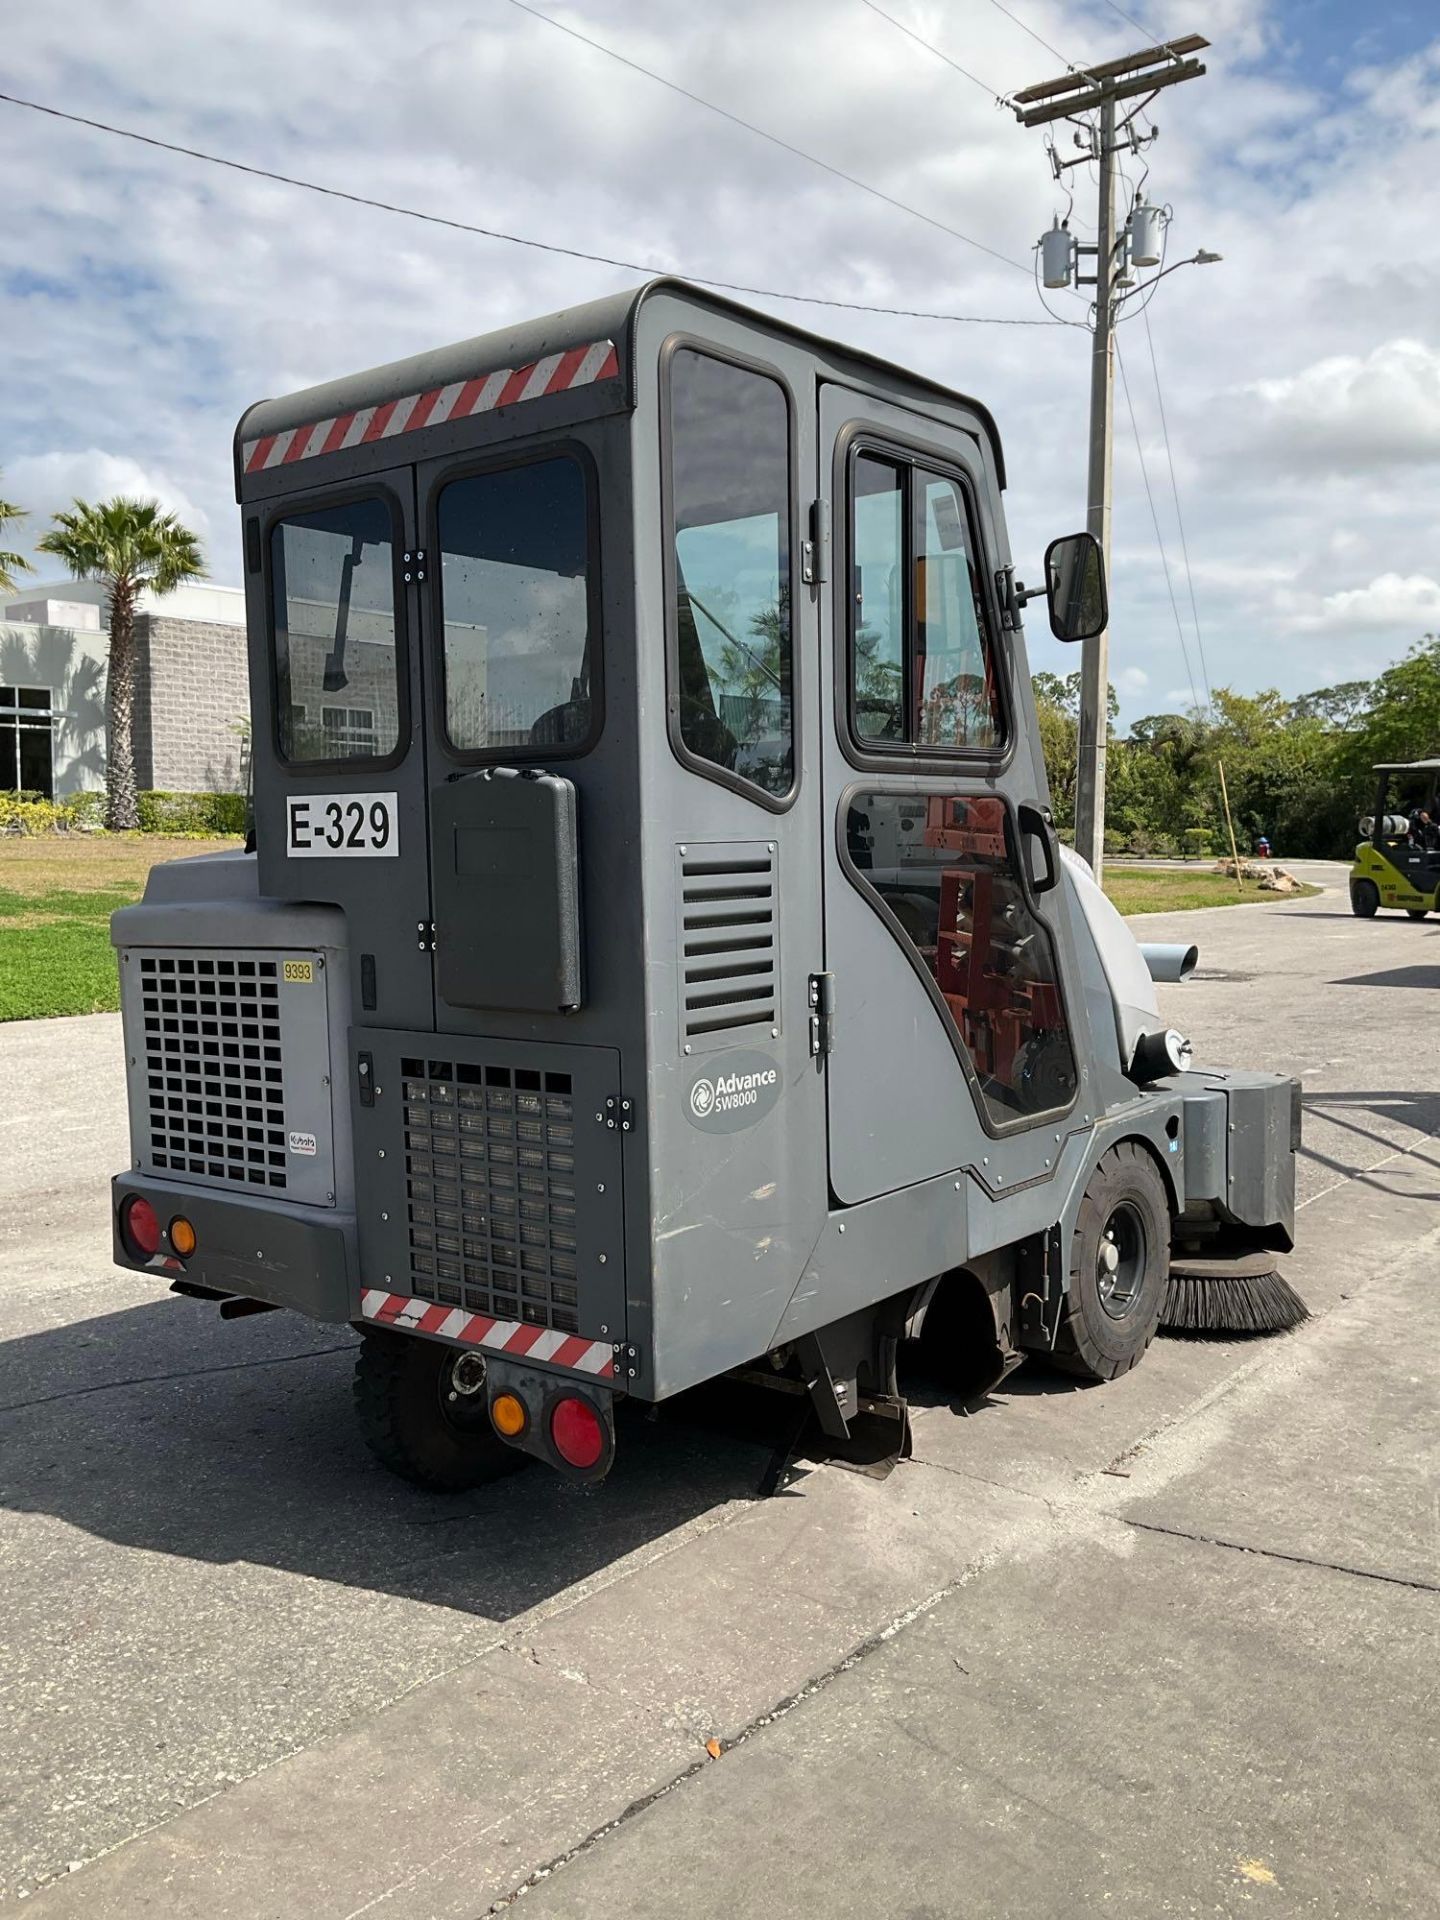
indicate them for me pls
(729, 943)
(490, 1176)
(229, 1069)
(214, 1068)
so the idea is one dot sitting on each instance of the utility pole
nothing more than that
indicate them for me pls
(1083, 92)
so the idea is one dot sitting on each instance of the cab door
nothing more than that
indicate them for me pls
(952, 1045)
(339, 744)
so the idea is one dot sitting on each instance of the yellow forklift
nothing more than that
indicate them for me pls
(1397, 863)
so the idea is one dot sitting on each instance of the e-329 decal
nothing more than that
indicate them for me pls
(332, 826)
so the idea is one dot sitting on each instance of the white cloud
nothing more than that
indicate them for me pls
(1403, 605)
(1132, 679)
(1352, 412)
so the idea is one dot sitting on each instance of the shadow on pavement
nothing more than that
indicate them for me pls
(157, 1427)
(1396, 977)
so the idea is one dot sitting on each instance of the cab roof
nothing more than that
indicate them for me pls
(521, 350)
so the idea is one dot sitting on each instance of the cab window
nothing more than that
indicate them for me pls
(942, 863)
(731, 633)
(922, 670)
(337, 673)
(515, 590)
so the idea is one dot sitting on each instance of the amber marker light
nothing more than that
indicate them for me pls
(182, 1236)
(507, 1412)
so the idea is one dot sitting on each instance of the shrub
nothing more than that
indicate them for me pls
(186, 816)
(191, 813)
(30, 813)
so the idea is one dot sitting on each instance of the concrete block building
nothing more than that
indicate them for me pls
(192, 689)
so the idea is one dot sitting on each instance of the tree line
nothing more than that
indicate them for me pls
(1298, 770)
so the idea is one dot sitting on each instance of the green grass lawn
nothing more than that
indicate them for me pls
(56, 897)
(57, 894)
(1172, 890)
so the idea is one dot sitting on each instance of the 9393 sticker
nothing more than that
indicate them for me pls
(332, 826)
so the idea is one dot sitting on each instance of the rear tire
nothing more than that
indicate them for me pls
(412, 1424)
(1119, 1265)
(1364, 899)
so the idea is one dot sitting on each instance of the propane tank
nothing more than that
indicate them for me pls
(1147, 234)
(1057, 253)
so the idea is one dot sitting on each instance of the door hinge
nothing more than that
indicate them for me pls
(815, 552)
(822, 1014)
(415, 565)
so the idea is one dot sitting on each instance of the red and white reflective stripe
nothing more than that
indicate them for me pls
(478, 1330)
(556, 373)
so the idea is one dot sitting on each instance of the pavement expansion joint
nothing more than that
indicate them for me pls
(1276, 1553)
(862, 1650)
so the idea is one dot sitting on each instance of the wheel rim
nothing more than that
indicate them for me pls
(1120, 1261)
(463, 1404)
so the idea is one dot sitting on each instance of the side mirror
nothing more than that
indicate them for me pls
(1075, 587)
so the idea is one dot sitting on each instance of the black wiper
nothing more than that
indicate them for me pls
(336, 679)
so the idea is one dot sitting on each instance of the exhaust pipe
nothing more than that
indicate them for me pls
(1170, 964)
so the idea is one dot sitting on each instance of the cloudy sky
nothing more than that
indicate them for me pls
(145, 299)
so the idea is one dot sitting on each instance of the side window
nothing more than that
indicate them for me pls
(332, 574)
(879, 599)
(941, 864)
(922, 671)
(730, 506)
(515, 600)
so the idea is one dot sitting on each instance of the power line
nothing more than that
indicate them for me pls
(1179, 517)
(495, 233)
(910, 33)
(1129, 18)
(1155, 519)
(774, 138)
(1069, 65)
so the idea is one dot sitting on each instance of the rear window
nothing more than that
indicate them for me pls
(516, 600)
(731, 618)
(337, 674)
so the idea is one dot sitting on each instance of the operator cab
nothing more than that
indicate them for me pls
(1397, 863)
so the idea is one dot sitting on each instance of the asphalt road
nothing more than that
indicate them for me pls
(1166, 1647)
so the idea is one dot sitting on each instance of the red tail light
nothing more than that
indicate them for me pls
(577, 1431)
(140, 1227)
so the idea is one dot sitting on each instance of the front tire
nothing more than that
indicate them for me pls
(1120, 1260)
(423, 1419)
(1364, 899)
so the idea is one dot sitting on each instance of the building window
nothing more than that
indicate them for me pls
(349, 732)
(27, 741)
(730, 508)
(922, 667)
(333, 600)
(515, 587)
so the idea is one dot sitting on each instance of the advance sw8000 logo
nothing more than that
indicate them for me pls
(733, 1093)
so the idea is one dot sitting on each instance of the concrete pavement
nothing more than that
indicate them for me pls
(245, 1674)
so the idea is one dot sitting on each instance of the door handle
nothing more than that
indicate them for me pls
(1034, 826)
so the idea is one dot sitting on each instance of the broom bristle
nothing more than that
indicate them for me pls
(1231, 1303)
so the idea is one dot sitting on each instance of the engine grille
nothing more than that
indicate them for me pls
(728, 941)
(490, 1176)
(214, 1072)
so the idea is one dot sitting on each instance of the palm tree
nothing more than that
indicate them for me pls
(129, 545)
(11, 563)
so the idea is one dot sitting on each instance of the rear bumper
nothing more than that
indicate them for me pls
(289, 1256)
